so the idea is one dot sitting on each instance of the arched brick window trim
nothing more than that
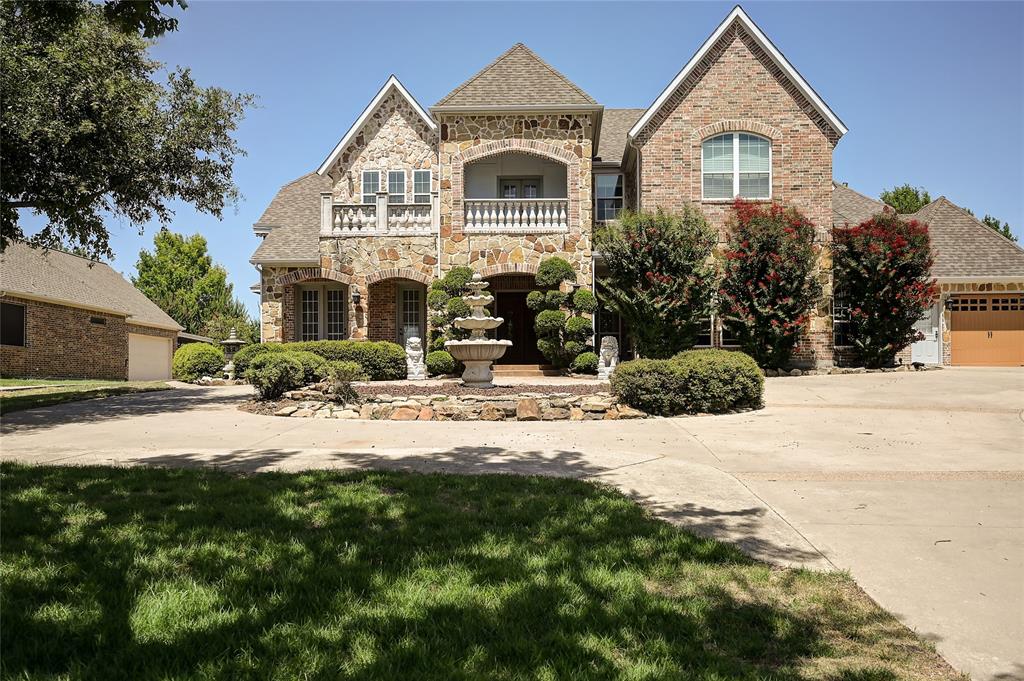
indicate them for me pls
(514, 146)
(309, 273)
(739, 125)
(509, 268)
(398, 273)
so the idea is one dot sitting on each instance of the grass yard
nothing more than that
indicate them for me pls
(58, 391)
(146, 573)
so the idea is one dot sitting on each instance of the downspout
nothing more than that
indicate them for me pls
(440, 174)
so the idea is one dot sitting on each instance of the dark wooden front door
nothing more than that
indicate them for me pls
(518, 328)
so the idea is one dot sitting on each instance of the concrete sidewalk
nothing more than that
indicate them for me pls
(914, 482)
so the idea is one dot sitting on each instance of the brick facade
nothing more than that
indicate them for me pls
(67, 342)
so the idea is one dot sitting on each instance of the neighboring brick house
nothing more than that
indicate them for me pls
(64, 316)
(518, 164)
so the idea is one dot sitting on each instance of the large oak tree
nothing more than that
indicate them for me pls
(92, 128)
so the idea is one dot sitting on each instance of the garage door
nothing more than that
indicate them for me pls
(149, 357)
(987, 330)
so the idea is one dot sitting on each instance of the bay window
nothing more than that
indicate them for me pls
(736, 164)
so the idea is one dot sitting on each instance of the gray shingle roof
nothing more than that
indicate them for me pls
(294, 220)
(615, 124)
(852, 208)
(517, 78)
(964, 246)
(72, 280)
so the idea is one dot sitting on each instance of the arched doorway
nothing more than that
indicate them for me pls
(510, 291)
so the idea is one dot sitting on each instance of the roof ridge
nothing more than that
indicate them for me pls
(860, 194)
(47, 249)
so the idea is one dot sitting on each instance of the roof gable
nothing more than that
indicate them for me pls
(518, 77)
(391, 84)
(738, 16)
(68, 279)
(850, 207)
(965, 247)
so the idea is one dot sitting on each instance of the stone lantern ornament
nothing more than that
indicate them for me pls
(231, 345)
(478, 351)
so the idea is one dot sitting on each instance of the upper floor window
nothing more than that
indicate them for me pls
(421, 186)
(607, 197)
(396, 186)
(736, 164)
(371, 185)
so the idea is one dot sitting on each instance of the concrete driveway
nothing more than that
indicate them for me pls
(913, 482)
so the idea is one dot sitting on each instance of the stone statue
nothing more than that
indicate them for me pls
(415, 366)
(608, 359)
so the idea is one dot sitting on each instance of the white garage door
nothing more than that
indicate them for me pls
(149, 357)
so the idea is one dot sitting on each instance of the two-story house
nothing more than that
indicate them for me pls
(517, 164)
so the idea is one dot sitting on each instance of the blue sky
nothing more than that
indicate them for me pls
(933, 93)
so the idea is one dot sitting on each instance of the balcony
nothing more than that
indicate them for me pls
(341, 220)
(516, 215)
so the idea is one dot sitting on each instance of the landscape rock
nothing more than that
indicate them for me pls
(346, 414)
(627, 412)
(303, 413)
(492, 412)
(286, 411)
(527, 409)
(555, 414)
(575, 414)
(405, 414)
(426, 414)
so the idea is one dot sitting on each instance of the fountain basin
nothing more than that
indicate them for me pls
(477, 356)
(478, 323)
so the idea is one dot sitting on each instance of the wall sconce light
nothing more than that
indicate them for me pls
(356, 298)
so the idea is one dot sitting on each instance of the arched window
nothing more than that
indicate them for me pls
(736, 164)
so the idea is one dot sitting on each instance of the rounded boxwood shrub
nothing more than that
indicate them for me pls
(454, 280)
(437, 299)
(549, 323)
(553, 272)
(195, 360)
(247, 353)
(274, 373)
(579, 328)
(456, 307)
(381, 360)
(575, 347)
(720, 380)
(555, 299)
(584, 363)
(655, 386)
(535, 300)
(584, 300)
(314, 367)
(440, 363)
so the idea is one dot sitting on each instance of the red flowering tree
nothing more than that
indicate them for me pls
(661, 277)
(769, 284)
(883, 266)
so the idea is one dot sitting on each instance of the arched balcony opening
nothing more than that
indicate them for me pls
(516, 191)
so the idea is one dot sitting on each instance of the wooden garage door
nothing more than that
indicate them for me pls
(987, 330)
(149, 357)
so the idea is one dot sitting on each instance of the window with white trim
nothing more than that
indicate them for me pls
(421, 186)
(336, 327)
(736, 164)
(607, 197)
(396, 186)
(322, 312)
(371, 185)
(309, 324)
(410, 314)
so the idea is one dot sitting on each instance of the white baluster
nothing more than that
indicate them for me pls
(546, 222)
(500, 216)
(337, 225)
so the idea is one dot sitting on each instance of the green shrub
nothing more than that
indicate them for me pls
(720, 380)
(549, 323)
(584, 363)
(456, 307)
(579, 328)
(454, 281)
(535, 300)
(440, 363)
(696, 381)
(555, 299)
(247, 353)
(584, 300)
(341, 373)
(651, 385)
(575, 347)
(314, 367)
(436, 344)
(437, 299)
(195, 360)
(274, 373)
(553, 272)
(381, 360)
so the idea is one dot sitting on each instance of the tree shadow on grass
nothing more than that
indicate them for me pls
(157, 573)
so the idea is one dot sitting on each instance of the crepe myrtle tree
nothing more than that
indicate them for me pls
(661, 277)
(561, 324)
(883, 267)
(768, 280)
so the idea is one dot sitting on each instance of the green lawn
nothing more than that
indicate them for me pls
(57, 391)
(111, 573)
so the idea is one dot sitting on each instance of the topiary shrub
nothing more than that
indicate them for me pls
(247, 353)
(274, 373)
(341, 373)
(584, 300)
(454, 281)
(561, 330)
(549, 323)
(655, 386)
(195, 360)
(314, 367)
(553, 272)
(440, 363)
(716, 381)
(579, 328)
(584, 363)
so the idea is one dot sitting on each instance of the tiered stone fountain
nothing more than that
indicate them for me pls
(478, 351)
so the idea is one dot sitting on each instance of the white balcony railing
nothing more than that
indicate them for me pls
(516, 215)
(377, 219)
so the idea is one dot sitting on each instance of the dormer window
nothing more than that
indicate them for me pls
(736, 164)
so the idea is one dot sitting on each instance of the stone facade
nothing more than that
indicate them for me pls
(564, 138)
(738, 88)
(71, 342)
